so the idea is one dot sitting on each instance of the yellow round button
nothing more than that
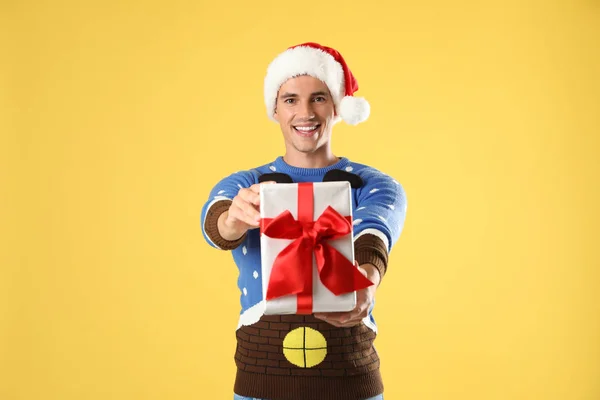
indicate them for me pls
(305, 347)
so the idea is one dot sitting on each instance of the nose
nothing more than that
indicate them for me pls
(305, 111)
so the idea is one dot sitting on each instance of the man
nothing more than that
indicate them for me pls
(308, 88)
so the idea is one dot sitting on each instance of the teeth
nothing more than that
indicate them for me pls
(306, 128)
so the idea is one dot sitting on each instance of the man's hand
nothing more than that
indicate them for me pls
(364, 301)
(243, 214)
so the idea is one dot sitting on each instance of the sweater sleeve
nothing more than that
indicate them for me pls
(219, 200)
(378, 218)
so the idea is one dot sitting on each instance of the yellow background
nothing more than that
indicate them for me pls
(119, 116)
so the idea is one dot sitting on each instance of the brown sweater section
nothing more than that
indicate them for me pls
(369, 249)
(212, 229)
(350, 369)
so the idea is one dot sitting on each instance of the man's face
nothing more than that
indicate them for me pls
(305, 112)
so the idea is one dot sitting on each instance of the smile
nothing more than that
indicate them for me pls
(306, 130)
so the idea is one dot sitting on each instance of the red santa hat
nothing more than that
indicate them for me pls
(323, 63)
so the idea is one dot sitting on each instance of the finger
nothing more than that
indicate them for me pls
(247, 207)
(334, 318)
(249, 196)
(328, 319)
(358, 314)
(341, 324)
(240, 216)
(352, 315)
(347, 324)
(351, 323)
(330, 315)
(246, 212)
(363, 303)
(337, 324)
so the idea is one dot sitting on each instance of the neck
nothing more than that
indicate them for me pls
(310, 160)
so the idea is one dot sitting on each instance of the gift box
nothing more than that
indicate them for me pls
(307, 248)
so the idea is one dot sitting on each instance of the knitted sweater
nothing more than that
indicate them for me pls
(298, 357)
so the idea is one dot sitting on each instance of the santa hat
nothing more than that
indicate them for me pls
(323, 63)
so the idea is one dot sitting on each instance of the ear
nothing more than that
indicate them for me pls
(278, 177)
(338, 175)
(275, 115)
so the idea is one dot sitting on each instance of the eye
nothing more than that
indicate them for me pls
(288, 101)
(320, 99)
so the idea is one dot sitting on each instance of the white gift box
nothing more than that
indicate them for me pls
(275, 199)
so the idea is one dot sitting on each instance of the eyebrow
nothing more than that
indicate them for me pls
(288, 95)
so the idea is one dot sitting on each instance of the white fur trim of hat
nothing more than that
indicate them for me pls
(325, 64)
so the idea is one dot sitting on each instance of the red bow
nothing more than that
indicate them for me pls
(292, 268)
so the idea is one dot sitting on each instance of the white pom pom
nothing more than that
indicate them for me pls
(354, 110)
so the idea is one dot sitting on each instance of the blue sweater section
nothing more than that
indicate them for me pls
(380, 204)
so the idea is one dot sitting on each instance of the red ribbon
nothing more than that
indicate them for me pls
(293, 266)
